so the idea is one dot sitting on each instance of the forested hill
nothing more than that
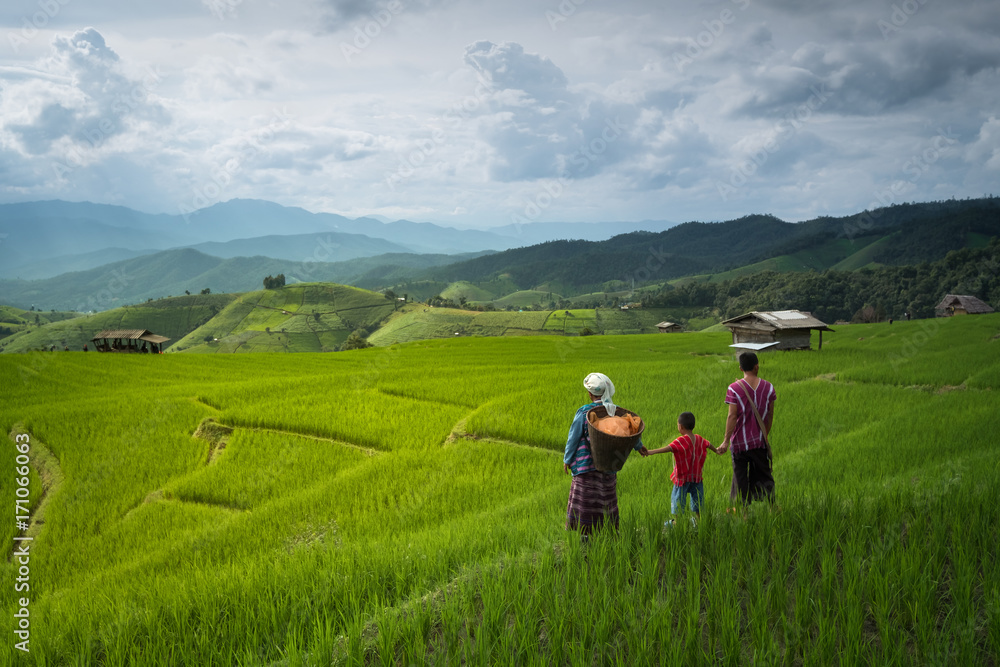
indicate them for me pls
(895, 235)
(870, 294)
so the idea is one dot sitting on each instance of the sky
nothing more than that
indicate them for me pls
(477, 114)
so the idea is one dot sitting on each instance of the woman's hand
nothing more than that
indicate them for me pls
(566, 468)
(644, 451)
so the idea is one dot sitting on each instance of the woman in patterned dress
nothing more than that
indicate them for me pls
(593, 495)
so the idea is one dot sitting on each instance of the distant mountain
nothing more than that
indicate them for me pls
(43, 239)
(541, 232)
(324, 246)
(172, 272)
(69, 263)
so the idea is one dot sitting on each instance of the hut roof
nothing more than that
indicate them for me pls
(131, 334)
(667, 325)
(777, 319)
(969, 304)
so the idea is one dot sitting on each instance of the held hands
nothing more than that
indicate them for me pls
(723, 448)
(643, 451)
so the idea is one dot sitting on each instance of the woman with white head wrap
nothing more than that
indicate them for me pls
(593, 495)
(600, 385)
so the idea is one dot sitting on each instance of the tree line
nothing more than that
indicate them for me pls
(886, 291)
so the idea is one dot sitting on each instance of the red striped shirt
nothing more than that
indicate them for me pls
(689, 458)
(748, 435)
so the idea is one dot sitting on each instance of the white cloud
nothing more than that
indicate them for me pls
(465, 110)
(985, 150)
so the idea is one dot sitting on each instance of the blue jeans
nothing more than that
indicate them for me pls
(695, 489)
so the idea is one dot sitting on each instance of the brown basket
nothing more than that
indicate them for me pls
(610, 451)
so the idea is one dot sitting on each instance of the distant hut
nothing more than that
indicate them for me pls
(775, 330)
(668, 327)
(128, 340)
(961, 304)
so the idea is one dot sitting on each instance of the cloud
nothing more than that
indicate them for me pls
(215, 78)
(536, 126)
(985, 151)
(507, 67)
(336, 15)
(82, 95)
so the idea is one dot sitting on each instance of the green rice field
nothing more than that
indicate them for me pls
(405, 504)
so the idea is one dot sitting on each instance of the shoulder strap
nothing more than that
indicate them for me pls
(753, 406)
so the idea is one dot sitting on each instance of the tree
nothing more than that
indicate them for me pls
(274, 282)
(355, 342)
(206, 291)
(188, 292)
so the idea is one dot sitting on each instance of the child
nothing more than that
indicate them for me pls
(689, 459)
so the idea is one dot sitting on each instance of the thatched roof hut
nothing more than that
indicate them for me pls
(669, 327)
(961, 304)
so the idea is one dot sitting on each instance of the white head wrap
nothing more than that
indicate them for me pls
(600, 385)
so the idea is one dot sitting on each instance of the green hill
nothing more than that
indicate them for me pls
(174, 318)
(868, 255)
(416, 322)
(421, 323)
(843, 295)
(173, 272)
(525, 298)
(831, 254)
(457, 290)
(902, 234)
(306, 317)
(14, 320)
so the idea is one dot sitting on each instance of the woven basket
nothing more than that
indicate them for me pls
(610, 451)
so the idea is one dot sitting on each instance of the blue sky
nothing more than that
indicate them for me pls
(485, 113)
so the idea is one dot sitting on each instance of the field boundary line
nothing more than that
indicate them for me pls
(199, 401)
(369, 451)
(49, 471)
(458, 432)
(159, 496)
(425, 400)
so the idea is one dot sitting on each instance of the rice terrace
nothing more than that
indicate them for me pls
(405, 505)
(393, 333)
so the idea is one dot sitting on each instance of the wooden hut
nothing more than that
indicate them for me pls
(668, 327)
(961, 304)
(128, 340)
(790, 329)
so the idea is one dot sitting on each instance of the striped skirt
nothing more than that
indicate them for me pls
(593, 499)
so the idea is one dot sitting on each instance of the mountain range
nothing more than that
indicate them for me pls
(897, 235)
(44, 239)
